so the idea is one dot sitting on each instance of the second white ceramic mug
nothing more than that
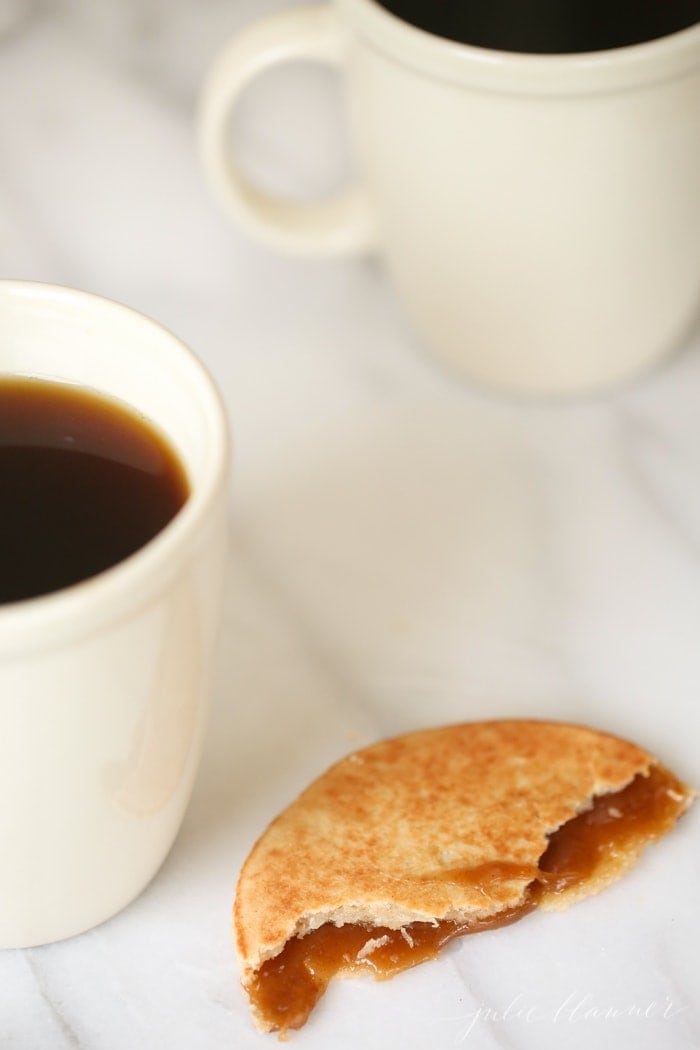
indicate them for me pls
(104, 684)
(539, 215)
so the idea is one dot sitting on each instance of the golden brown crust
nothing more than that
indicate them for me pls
(373, 839)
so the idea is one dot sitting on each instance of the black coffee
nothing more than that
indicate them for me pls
(548, 26)
(84, 482)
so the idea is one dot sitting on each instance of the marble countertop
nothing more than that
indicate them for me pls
(405, 551)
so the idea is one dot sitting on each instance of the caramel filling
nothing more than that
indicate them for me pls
(286, 988)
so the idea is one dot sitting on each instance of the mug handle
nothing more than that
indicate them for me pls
(339, 225)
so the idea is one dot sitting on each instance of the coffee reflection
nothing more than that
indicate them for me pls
(548, 26)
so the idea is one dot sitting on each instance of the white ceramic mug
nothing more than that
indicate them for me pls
(539, 215)
(103, 685)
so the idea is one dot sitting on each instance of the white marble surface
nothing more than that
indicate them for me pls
(404, 551)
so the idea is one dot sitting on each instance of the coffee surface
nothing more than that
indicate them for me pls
(84, 483)
(548, 26)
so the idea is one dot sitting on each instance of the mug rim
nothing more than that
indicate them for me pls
(516, 72)
(83, 607)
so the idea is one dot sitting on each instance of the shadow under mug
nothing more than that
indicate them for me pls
(538, 214)
(103, 685)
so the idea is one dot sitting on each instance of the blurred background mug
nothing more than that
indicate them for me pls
(529, 174)
(104, 680)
